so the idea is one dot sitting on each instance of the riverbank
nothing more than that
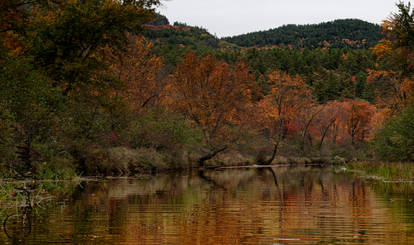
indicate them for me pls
(124, 161)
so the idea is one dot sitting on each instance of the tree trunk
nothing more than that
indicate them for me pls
(324, 133)
(279, 139)
(305, 131)
(24, 154)
(210, 156)
(275, 148)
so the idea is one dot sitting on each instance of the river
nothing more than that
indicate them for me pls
(282, 205)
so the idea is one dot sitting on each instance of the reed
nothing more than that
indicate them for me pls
(390, 171)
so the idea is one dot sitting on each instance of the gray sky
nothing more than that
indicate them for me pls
(232, 17)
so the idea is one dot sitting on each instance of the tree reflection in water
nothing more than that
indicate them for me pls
(289, 205)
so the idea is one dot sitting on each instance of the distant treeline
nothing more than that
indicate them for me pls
(352, 33)
(332, 74)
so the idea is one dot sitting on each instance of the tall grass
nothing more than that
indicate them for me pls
(388, 171)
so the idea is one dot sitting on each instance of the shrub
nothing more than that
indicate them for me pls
(395, 141)
(123, 160)
(161, 130)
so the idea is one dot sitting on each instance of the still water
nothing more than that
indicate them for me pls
(285, 205)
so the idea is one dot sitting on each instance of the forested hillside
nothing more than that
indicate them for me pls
(351, 33)
(332, 73)
(174, 41)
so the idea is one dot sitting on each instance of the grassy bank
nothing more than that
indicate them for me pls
(124, 161)
(388, 171)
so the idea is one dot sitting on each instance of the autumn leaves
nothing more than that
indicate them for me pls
(290, 112)
(83, 86)
(218, 100)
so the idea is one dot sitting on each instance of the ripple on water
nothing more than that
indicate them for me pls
(227, 207)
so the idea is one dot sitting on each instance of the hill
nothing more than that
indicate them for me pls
(344, 33)
(172, 41)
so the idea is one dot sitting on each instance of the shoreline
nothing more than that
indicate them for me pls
(98, 178)
(386, 172)
(368, 170)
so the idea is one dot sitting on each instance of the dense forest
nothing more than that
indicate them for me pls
(112, 88)
(173, 42)
(351, 33)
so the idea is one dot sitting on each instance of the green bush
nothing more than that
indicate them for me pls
(56, 171)
(395, 142)
(161, 130)
(6, 137)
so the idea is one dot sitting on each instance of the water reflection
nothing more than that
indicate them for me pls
(258, 206)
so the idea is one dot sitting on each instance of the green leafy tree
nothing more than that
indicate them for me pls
(29, 108)
(68, 41)
(395, 141)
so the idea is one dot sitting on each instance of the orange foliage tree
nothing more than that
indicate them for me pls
(279, 109)
(399, 30)
(358, 125)
(327, 122)
(213, 95)
(388, 89)
(395, 83)
(342, 121)
(141, 73)
(305, 121)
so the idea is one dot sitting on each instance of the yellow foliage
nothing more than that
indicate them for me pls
(383, 48)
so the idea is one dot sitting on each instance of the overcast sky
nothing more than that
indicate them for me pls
(232, 17)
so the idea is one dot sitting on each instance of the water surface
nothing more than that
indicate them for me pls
(286, 205)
